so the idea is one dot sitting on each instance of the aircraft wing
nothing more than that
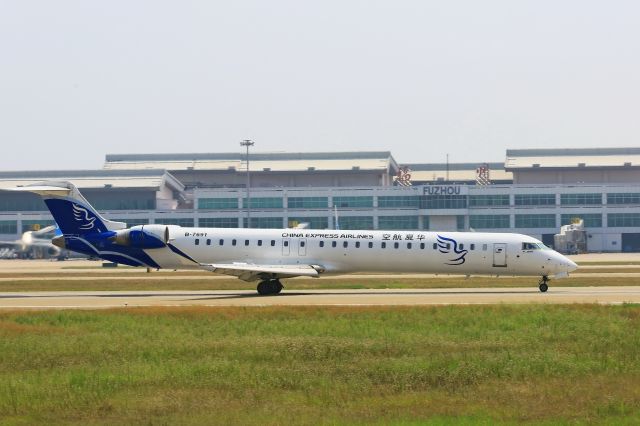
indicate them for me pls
(253, 272)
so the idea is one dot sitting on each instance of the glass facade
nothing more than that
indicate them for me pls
(393, 201)
(8, 226)
(623, 220)
(445, 202)
(398, 222)
(217, 203)
(308, 202)
(535, 199)
(102, 204)
(355, 222)
(10, 202)
(264, 222)
(36, 225)
(497, 221)
(488, 200)
(218, 222)
(623, 198)
(581, 199)
(353, 201)
(318, 222)
(535, 221)
(591, 220)
(460, 222)
(180, 221)
(264, 202)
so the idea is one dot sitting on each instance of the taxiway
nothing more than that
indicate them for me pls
(380, 297)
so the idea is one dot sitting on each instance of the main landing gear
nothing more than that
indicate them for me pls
(542, 285)
(267, 287)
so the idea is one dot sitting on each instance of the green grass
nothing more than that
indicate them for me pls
(151, 282)
(439, 365)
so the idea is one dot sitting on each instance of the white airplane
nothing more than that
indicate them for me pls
(30, 242)
(269, 255)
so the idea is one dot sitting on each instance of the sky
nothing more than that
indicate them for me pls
(422, 79)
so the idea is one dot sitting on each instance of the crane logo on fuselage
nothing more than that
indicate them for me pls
(451, 246)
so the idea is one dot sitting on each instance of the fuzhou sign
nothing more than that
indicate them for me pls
(445, 190)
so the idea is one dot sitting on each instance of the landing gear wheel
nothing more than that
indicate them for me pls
(269, 287)
(543, 286)
(263, 288)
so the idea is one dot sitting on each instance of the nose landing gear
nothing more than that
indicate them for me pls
(542, 285)
(267, 287)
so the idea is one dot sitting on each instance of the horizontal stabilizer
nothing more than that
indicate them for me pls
(253, 272)
(44, 190)
(71, 211)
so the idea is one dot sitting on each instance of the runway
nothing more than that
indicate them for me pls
(384, 297)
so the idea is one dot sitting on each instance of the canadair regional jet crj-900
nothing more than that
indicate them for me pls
(269, 255)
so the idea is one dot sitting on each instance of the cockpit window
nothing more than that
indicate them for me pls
(534, 246)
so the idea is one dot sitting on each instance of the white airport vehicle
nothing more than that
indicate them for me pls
(269, 255)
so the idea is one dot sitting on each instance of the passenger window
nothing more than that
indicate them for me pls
(472, 247)
(321, 243)
(461, 246)
(273, 243)
(334, 244)
(408, 245)
(221, 242)
(345, 244)
(383, 245)
(208, 242)
(357, 244)
(435, 246)
(259, 242)
(484, 247)
(370, 244)
(396, 245)
(422, 246)
(246, 242)
(233, 242)
(197, 241)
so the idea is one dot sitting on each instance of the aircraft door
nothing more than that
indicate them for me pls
(500, 255)
(286, 249)
(302, 247)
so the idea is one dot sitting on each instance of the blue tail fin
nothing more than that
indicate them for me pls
(71, 211)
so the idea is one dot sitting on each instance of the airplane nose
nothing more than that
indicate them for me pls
(567, 264)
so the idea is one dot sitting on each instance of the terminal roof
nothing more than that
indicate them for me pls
(457, 172)
(275, 161)
(85, 179)
(568, 158)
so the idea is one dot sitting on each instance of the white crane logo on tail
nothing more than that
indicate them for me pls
(82, 215)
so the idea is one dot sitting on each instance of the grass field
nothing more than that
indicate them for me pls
(156, 282)
(440, 365)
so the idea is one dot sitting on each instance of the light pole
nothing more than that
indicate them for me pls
(247, 143)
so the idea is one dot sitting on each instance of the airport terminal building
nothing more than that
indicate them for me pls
(533, 192)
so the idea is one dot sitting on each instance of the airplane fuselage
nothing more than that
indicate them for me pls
(338, 252)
